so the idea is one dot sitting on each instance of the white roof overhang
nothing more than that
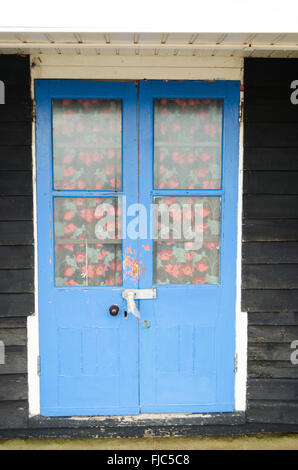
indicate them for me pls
(185, 44)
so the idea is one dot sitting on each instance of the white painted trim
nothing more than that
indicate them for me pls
(241, 317)
(32, 321)
(101, 67)
(227, 48)
(131, 67)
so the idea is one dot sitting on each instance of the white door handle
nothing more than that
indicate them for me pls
(131, 305)
(130, 295)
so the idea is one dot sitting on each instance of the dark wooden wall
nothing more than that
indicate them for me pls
(270, 257)
(16, 238)
(270, 236)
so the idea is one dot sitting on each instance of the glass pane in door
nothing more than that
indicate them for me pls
(187, 143)
(187, 240)
(88, 246)
(87, 144)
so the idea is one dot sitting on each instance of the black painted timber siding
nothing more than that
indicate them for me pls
(270, 239)
(16, 238)
(270, 265)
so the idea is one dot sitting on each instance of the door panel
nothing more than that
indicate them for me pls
(187, 334)
(89, 359)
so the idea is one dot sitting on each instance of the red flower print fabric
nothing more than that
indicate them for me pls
(187, 143)
(87, 144)
(179, 260)
(88, 247)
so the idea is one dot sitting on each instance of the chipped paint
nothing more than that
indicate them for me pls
(146, 247)
(131, 265)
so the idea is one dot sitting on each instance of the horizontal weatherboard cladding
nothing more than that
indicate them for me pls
(269, 251)
(16, 238)
(270, 239)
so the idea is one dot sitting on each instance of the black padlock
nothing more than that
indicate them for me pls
(114, 310)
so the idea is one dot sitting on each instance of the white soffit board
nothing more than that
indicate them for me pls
(150, 44)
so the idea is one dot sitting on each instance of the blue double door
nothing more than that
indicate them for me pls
(137, 192)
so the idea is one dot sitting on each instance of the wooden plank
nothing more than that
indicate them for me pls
(272, 318)
(269, 92)
(13, 414)
(137, 73)
(101, 61)
(270, 182)
(12, 257)
(261, 73)
(274, 370)
(191, 420)
(15, 183)
(12, 305)
(16, 280)
(269, 352)
(15, 360)
(271, 159)
(15, 69)
(13, 322)
(270, 276)
(13, 387)
(270, 110)
(260, 300)
(137, 431)
(269, 252)
(15, 133)
(17, 94)
(13, 336)
(271, 135)
(16, 112)
(276, 389)
(16, 233)
(270, 207)
(272, 333)
(272, 412)
(15, 157)
(16, 208)
(270, 230)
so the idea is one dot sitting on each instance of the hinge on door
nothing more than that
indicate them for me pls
(34, 111)
(236, 363)
(240, 112)
(38, 365)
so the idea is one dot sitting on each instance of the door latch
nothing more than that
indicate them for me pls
(140, 294)
(130, 295)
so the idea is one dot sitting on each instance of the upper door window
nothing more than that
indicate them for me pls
(187, 143)
(87, 144)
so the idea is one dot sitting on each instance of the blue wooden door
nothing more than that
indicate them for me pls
(106, 159)
(87, 162)
(189, 158)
